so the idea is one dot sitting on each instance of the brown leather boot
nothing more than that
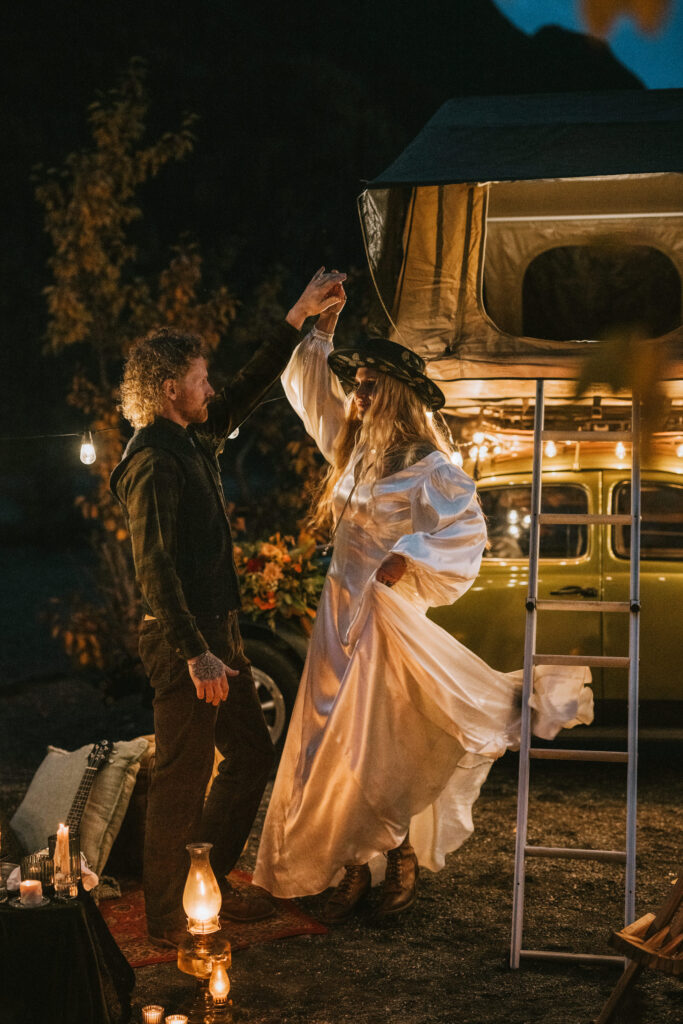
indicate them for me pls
(354, 886)
(399, 889)
(244, 904)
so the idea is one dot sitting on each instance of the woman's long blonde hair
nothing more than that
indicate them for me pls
(396, 421)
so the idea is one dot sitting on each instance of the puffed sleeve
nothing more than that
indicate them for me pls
(444, 551)
(314, 392)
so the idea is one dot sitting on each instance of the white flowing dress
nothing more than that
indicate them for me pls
(396, 724)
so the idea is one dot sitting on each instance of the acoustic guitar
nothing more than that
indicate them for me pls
(98, 756)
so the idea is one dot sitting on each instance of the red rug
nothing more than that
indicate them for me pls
(126, 920)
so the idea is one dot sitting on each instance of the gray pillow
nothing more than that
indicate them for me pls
(53, 787)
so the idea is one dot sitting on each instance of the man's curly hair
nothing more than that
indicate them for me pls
(163, 354)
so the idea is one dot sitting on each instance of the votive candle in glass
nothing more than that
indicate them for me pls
(31, 892)
(152, 1014)
(176, 1018)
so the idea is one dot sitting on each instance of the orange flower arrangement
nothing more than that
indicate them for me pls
(280, 577)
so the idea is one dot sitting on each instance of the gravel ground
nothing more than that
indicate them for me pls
(446, 959)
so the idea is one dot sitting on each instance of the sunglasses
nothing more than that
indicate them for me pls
(360, 387)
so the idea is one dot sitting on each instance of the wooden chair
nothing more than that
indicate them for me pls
(654, 941)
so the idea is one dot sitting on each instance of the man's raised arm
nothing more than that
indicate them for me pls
(248, 387)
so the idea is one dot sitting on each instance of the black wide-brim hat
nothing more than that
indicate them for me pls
(386, 357)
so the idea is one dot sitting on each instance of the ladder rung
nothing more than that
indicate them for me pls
(575, 853)
(583, 606)
(586, 958)
(586, 435)
(591, 660)
(555, 754)
(583, 518)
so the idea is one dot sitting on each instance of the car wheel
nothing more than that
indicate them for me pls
(277, 682)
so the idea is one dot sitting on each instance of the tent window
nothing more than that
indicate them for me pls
(581, 292)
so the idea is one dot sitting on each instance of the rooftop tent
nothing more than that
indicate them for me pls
(516, 232)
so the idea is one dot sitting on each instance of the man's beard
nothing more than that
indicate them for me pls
(196, 414)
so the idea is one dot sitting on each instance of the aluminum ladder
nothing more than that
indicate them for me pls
(531, 658)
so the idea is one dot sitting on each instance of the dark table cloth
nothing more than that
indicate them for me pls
(59, 963)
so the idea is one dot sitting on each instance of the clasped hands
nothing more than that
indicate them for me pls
(324, 291)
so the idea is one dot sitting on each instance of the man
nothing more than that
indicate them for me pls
(169, 484)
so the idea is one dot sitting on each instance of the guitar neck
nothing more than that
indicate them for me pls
(73, 818)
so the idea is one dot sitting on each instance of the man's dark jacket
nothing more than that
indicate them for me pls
(169, 484)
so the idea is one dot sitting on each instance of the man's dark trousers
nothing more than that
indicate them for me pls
(186, 731)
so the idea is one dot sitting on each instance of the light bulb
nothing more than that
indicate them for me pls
(235, 433)
(484, 451)
(620, 450)
(513, 516)
(551, 449)
(679, 451)
(478, 437)
(456, 458)
(497, 449)
(88, 453)
(219, 986)
(473, 453)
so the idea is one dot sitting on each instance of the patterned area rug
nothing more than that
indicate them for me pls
(126, 920)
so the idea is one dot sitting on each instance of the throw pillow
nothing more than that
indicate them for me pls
(53, 787)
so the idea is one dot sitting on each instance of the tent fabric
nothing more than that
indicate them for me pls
(511, 247)
(431, 247)
(554, 135)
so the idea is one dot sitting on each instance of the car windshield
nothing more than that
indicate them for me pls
(507, 511)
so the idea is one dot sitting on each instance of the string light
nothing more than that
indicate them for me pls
(478, 437)
(483, 451)
(620, 450)
(550, 449)
(474, 452)
(88, 453)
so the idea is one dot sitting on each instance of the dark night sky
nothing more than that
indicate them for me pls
(298, 106)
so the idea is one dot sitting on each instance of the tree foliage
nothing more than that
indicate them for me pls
(101, 298)
(600, 15)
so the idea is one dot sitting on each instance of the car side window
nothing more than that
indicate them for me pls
(661, 531)
(507, 511)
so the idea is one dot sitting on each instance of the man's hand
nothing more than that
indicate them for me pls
(391, 570)
(210, 677)
(317, 296)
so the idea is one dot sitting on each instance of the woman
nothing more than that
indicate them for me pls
(396, 724)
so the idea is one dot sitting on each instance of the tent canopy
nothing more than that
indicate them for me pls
(507, 214)
(556, 135)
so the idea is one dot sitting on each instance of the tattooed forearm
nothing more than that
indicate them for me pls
(207, 666)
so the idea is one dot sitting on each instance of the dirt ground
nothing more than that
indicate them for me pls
(446, 959)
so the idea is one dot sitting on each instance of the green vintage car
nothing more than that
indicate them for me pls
(583, 562)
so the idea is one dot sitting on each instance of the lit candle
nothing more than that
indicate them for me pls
(152, 1014)
(62, 866)
(219, 986)
(176, 1018)
(31, 892)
